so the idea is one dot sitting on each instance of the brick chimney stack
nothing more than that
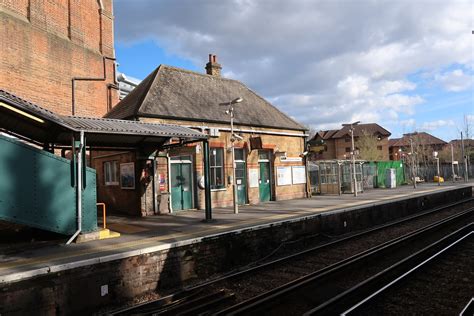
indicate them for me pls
(213, 68)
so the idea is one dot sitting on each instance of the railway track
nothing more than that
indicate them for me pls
(242, 290)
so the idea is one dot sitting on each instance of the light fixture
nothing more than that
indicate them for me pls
(14, 109)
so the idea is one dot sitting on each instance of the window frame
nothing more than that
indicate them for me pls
(110, 171)
(214, 167)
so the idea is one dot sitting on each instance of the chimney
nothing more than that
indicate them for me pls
(213, 68)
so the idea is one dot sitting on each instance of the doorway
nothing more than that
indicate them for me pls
(264, 184)
(181, 183)
(240, 176)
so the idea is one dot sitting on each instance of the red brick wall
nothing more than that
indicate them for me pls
(47, 43)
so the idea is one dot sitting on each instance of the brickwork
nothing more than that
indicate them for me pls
(45, 44)
(125, 201)
(293, 146)
(340, 148)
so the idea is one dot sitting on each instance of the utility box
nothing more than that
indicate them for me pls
(390, 178)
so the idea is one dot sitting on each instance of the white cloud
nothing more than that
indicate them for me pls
(455, 80)
(324, 62)
(434, 125)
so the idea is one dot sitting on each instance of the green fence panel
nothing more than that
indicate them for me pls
(35, 189)
(395, 164)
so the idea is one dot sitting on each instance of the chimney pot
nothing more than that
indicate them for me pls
(213, 68)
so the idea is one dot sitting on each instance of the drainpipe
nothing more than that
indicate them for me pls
(103, 78)
(155, 206)
(78, 187)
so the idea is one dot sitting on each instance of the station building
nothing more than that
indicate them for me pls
(269, 145)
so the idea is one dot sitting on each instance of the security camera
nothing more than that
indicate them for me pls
(238, 137)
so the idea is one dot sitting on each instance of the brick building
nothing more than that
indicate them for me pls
(336, 144)
(268, 143)
(59, 54)
(423, 143)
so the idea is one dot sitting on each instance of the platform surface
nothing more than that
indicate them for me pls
(155, 233)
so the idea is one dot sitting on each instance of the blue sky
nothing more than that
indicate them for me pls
(405, 65)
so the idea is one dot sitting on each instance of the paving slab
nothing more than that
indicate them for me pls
(161, 232)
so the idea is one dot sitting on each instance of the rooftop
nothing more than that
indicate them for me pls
(174, 93)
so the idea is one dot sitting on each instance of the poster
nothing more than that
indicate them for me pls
(299, 174)
(127, 175)
(283, 176)
(253, 178)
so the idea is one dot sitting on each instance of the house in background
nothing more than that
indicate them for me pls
(336, 144)
(423, 143)
(268, 143)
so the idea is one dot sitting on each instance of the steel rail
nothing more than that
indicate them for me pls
(190, 291)
(400, 270)
(281, 293)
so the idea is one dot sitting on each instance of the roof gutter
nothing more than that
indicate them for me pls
(227, 129)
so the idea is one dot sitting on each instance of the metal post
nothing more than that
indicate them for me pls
(234, 186)
(466, 173)
(207, 183)
(79, 187)
(437, 167)
(353, 162)
(452, 162)
(413, 164)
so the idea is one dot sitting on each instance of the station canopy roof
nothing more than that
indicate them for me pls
(25, 119)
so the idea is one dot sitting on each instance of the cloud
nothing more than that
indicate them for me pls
(455, 80)
(434, 125)
(325, 62)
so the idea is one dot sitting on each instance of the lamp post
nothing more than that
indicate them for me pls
(354, 178)
(230, 111)
(435, 154)
(413, 163)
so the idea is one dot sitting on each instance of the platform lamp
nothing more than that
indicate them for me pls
(354, 178)
(230, 111)
(435, 155)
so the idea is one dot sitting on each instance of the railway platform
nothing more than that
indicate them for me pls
(153, 250)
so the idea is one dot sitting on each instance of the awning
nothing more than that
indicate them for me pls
(28, 120)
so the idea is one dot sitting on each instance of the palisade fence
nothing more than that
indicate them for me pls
(429, 171)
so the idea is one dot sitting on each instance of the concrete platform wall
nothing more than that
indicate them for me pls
(79, 290)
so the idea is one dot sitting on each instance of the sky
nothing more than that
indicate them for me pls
(406, 65)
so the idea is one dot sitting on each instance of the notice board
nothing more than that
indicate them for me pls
(253, 178)
(283, 176)
(299, 174)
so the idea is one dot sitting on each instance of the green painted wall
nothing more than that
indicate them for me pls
(35, 189)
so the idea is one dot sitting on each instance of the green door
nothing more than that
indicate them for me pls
(181, 186)
(264, 183)
(240, 176)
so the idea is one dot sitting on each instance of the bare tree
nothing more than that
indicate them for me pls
(368, 147)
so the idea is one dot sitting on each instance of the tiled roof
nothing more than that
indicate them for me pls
(359, 130)
(89, 125)
(419, 137)
(175, 93)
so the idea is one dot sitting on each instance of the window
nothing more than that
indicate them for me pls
(263, 155)
(239, 154)
(348, 149)
(217, 168)
(110, 173)
(347, 139)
